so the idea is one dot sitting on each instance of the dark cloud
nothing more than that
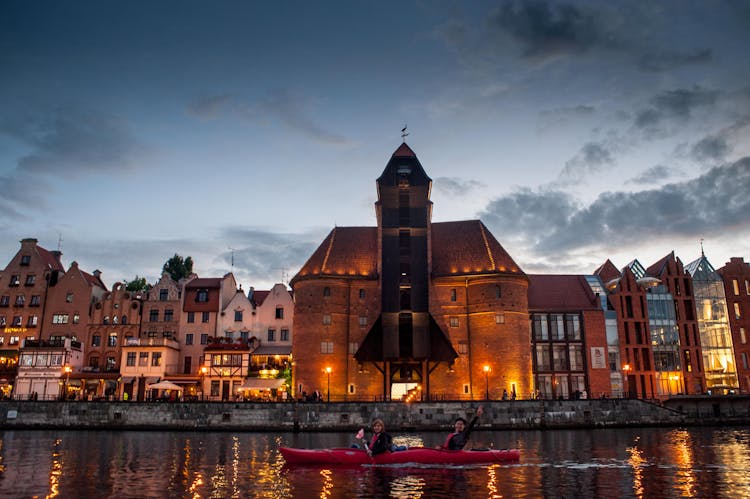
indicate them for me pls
(549, 29)
(555, 118)
(710, 149)
(552, 222)
(666, 61)
(590, 159)
(209, 107)
(453, 186)
(655, 175)
(71, 140)
(676, 104)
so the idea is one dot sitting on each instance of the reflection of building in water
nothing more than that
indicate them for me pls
(713, 324)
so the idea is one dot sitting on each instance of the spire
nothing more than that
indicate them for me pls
(404, 151)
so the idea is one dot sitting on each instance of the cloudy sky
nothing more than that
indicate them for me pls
(577, 131)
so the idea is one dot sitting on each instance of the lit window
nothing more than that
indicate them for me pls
(15, 280)
(326, 347)
(454, 321)
(353, 347)
(499, 318)
(155, 359)
(17, 320)
(743, 338)
(60, 319)
(463, 347)
(77, 319)
(737, 312)
(453, 294)
(736, 287)
(142, 358)
(112, 340)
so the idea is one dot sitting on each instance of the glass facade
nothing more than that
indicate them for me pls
(665, 340)
(559, 363)
(713, 324)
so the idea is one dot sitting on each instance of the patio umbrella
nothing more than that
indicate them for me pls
(164, 385)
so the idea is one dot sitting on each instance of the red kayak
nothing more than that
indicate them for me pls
(418, 455)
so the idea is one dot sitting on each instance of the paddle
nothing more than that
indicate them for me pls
(361, 436)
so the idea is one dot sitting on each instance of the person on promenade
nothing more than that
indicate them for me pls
(461, 432)
(379, 442)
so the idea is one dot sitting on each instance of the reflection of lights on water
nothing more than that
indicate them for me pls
(637, 461)
(407, 486)
(327, 487)
(408, 440)
(733, 457)
(684, 460)
(492, 481)
(198, 482)
(55, 472)
(235, 466)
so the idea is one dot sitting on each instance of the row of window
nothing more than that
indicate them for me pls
(143, 359)
(20, 301)
(17, 321)
(452, 321)
(40, 359)
(15, 280)
(736, 287)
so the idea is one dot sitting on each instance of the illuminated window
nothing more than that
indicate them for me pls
(155, 359)
(60, 319)
(15, 280)
(499, 318)
(737, 312)
(453, 294)
(743, 338)
(77, 318)
(326, 347)
(112, 340)
(735, 287)
(454, 321)
(463, 347)
(142, 358)
(17, 320)
(353, 347)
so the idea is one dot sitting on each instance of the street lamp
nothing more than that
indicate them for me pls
(67, 370)
(204, 370)
(328, 372)
(627, 368)
(486, 370)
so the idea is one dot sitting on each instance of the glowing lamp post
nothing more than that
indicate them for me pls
(626, 368)
(328, 373)
(204, 370)
(67, 370)
(486, 370)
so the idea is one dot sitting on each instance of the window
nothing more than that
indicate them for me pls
(463, 347)
(112, 340)
(96, 340)
(271, 335)
(736, 287)
(453, 294)
(33, 320)
(115, 319)
(747, 287)
(155, 359)
(191, 317)
(201, 296)
(69, 298)
(131, 359)
(13, 340)
(25, 260)
(60, 319)
(326, 291)
(106, 319)
(279, 312)
(153, 315)
(244, 335)
(20, 300)
(204, 339)
(499, 318)
(4, 300)
(15, 280)
(238, 316)
(142, 359)
(214, 388)
(284, 335)
(361, 294)
(737, 312)
(168, 315)
(352, 390)
(498, 292)
(557, 327)
(94, 361)
(743, 338)
(110, 364)
(30, 279)
(326, 319)
(34, 301)
(163, 294)
(326, 347)
(2, 320)
(17, 320)
(353, 347)
(77, 318)
(167, 334)
(205, 316)
(454, 321)
(189, 339)
(744, 360)
(362, 320)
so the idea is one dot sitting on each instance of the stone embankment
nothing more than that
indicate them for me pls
(347, 416)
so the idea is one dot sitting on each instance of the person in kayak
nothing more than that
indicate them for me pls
(379, 442)
(461, 431)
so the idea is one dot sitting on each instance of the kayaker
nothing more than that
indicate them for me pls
(379, 442)
(461, 431)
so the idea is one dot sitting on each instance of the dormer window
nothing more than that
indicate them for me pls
(26, 260)
(163, 294)
(202, 296)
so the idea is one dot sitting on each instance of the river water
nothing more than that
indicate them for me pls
(650, 463)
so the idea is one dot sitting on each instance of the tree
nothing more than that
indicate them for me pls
(178, 268)
(137, 284)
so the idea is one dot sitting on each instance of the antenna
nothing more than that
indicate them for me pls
(702, 253)
(59, 241)
(284, 274)
(232, 250)
(404, 133)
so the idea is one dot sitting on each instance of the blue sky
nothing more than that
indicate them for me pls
(577, 131)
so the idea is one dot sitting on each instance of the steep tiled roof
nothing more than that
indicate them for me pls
(49, 258)
(205, 282)
(560, 293)
(259, 297)
(347, 251)
(607, 271)
(657, 268)
(468, 247)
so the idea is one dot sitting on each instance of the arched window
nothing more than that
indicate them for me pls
(114, 319)
(124, 319)
(498, 294)
(106, 319)
(326, 291)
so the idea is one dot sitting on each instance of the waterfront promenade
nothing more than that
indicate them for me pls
(346, 416)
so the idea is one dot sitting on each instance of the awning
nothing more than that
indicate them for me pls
(127, 379)
(152, 380)
(272, 350)
(262, 383)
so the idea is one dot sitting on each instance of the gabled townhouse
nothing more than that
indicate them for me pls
(23, 294)
(736, 276)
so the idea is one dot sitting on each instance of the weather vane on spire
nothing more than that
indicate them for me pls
(404, 133)
(702, 253)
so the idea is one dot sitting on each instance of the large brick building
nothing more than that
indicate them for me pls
(411, 305)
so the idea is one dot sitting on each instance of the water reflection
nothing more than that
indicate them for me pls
(653, 463)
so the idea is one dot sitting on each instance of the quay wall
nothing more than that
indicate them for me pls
(347, 416)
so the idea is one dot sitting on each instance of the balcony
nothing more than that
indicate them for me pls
(56, 343)
(151, 342)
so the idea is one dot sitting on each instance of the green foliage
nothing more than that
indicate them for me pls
(137, 284)
(178, 268)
